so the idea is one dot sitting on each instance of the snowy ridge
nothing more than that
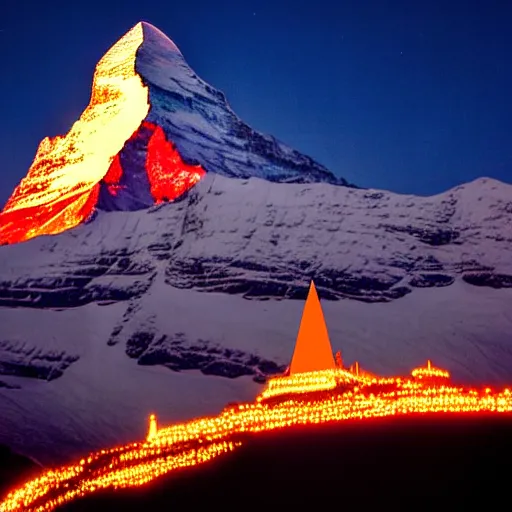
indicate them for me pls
(198, 119)
(363, 244)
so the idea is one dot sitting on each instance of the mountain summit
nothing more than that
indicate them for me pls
(151, 131)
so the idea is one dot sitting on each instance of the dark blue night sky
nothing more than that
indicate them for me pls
(413, 97)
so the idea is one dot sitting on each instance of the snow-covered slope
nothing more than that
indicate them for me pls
(198, 119)
(180, 308)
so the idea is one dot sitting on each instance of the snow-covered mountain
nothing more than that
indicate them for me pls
(198, 119)
(180, 307)
(150, 132)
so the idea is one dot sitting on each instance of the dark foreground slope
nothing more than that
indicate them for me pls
(396, 464)
(15, 469)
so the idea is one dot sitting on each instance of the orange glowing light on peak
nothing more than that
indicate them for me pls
(57, 192)
(313, 350)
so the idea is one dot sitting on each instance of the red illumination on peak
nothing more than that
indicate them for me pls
(114, 175)
(23, 224)
(168, 175)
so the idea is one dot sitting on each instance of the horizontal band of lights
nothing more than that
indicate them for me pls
(307, 399)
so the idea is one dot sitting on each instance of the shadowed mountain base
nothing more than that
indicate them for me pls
(398, 464)
(15, 469)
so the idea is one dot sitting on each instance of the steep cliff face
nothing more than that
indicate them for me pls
(151, 130)
(198, 119)
(147, 171)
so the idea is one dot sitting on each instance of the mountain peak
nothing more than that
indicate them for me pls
(153, 35)
(151, 130)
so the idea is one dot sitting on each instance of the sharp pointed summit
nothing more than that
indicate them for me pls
(151, 131)
(313, 350)
(154, 36)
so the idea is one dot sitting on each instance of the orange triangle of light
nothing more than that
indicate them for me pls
(313, 350)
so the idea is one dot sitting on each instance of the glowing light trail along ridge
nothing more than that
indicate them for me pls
(328, 395)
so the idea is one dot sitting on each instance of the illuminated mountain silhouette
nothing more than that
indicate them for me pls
(61, 187)
(313, 350)
(150, 132)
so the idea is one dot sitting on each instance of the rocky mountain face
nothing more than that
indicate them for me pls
(200, 122)
(366, 245)
(151, 131)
